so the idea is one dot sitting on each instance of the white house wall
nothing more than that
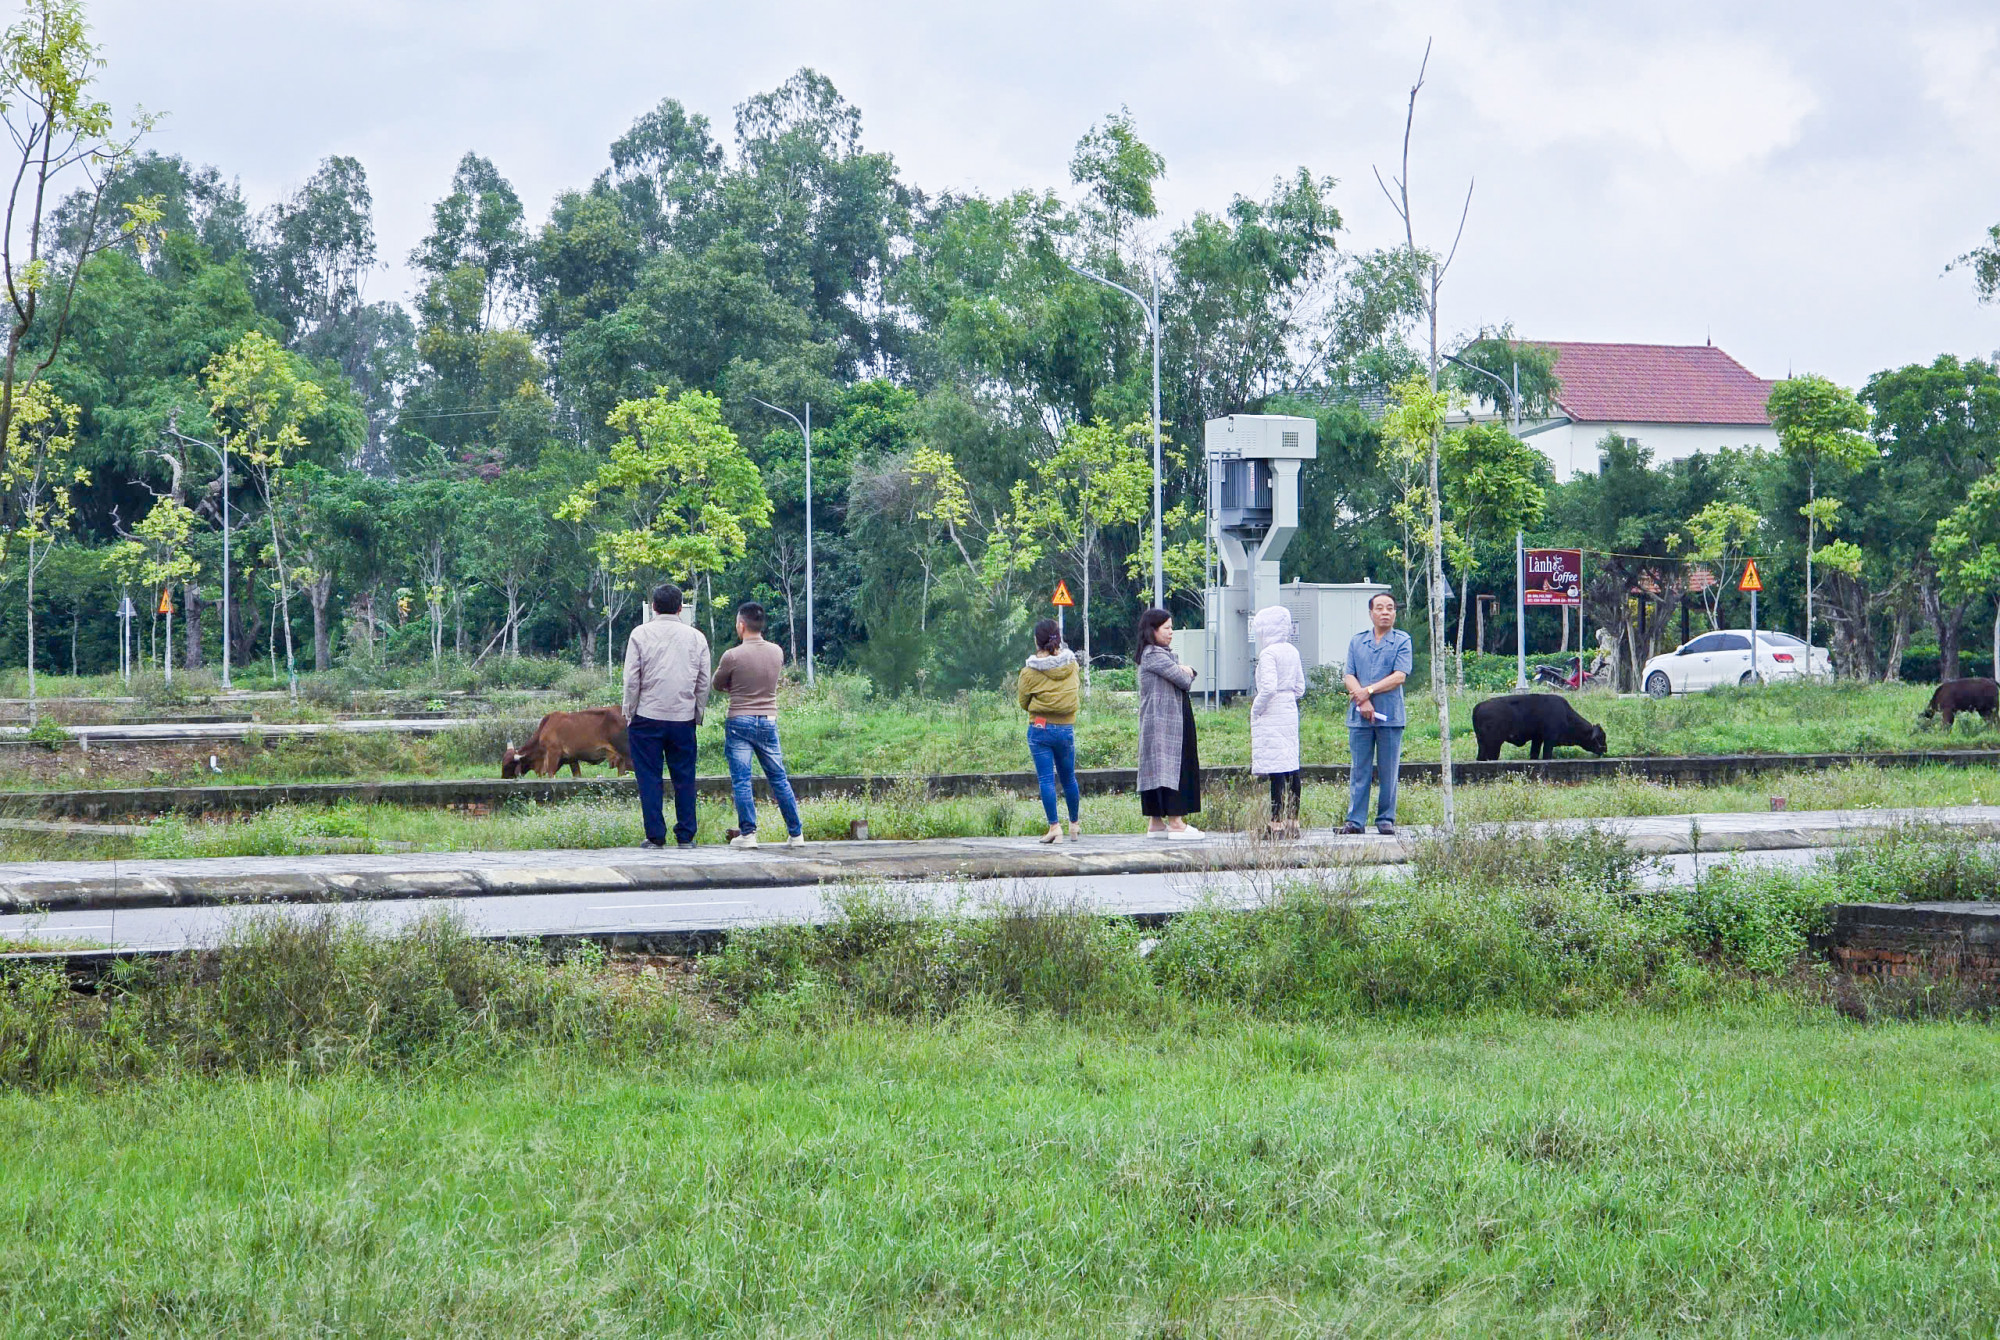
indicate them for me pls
(1572, 448)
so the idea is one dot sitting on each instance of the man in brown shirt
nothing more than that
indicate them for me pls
(749, 674)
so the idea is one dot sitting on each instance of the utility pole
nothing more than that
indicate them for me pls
(805, 430)
(1152, 311)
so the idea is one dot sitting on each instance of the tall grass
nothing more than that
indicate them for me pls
(1505, 920)
(321, 994)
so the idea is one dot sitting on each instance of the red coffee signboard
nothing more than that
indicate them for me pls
(1552, 577)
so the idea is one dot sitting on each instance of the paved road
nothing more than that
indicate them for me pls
(600, 913)
(714, 888)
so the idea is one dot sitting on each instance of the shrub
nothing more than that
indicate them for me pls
(886, 952)
(50, 732)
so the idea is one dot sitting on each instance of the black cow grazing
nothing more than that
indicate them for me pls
(1542, 721)
(1965, 695)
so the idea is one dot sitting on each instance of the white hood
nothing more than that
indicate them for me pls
(1062, 657)
(1272, 626)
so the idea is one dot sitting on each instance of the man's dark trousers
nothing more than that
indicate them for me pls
(672, 741)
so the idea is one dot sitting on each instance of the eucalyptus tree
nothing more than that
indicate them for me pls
(62, 132)
(678, 496)
(1938, 426)
(263, 403)
(1819, 429)
(37, 479)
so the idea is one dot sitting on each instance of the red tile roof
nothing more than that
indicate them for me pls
(1655, 383)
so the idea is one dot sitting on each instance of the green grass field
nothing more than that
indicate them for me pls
(1519, 1095)
(842, 728)
(1762, 1171)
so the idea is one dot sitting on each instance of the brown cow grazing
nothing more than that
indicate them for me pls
(1965, 695)
(595, 735)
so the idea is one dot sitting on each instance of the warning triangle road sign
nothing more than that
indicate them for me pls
(1751, 581)
(1062, 597)
(166, 600)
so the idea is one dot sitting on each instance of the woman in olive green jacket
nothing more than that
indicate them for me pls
(1048, 694)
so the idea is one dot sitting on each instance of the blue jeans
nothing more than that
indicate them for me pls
(1378, 752)
(670, 743)
(1054, 751)
(741, 738)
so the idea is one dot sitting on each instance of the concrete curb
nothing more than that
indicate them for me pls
(107, 887)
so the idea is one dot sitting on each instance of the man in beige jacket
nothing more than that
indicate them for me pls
(666, 690)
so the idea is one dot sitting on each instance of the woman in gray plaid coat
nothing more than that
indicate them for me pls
(1169, 766)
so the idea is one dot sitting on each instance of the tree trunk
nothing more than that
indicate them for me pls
(247, 629)
(1464, 585)
(1812, 533)
(1086, 618)
(1951, 636)
(1899, 638)
(321, 595)
(191, 604)
(34, 702)
(284, 601)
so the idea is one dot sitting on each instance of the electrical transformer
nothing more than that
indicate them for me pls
(1253, 463)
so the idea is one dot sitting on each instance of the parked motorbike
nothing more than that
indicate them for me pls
(1573, 677)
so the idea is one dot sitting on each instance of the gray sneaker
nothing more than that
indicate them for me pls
(1385, 828)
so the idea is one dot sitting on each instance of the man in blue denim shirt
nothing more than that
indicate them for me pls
(1378, 661)
(749, 674)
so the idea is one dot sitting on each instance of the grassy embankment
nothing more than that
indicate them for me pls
(841, 728)
(1518, 1097)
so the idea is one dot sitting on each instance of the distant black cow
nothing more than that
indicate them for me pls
(1965, 695)
(1542, 721)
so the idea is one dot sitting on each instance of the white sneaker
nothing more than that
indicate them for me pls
(1186, 834)
(744, 840)
(796, 840)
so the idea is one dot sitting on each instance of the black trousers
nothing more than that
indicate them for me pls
(1168, 802)
(1285, 795)
(670, 743)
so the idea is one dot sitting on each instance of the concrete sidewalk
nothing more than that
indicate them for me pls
(109, 885)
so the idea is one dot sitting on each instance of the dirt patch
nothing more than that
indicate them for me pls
(676, 975)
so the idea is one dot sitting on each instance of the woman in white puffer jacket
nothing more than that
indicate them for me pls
(1274, 715)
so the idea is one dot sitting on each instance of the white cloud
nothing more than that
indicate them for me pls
(1961, 68)
(1792, 179)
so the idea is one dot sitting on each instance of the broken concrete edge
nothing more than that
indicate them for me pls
(1690, 769)
(1891, 940)
(617, 874)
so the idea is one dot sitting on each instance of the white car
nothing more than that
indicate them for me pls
(1723, 657)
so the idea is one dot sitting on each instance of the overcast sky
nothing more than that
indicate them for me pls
(1788, 179)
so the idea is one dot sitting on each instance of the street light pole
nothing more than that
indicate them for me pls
(806, 430)
(1152, 311)
(222, 462)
